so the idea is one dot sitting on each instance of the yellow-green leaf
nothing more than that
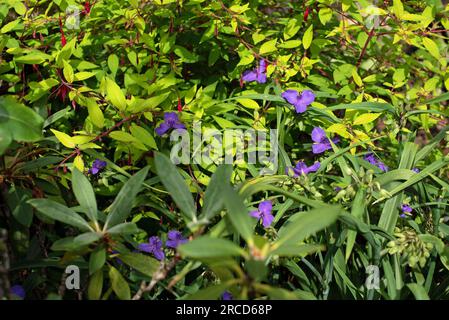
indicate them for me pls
(432, 47)
(95, 114)
(115, 94)
(307, 37)
(268, 47)
(79, 163)
(366, 118)
(64, 138)
(340, 129)
(68, 71)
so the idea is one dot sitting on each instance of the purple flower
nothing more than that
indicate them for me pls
(406, 208)
(301, 169)
(299, 101)
(257, 74)
(97, 165)
(337, 189)
(18, 291)
(175, 238)
(115, 252)
(321, 142)
(415, 170)
(153, 246)
(264, 213)
(171, 121)
(226, 296)
(372, 159)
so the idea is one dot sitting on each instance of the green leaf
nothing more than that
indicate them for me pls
(115, 94)
(297, 250)
(95, 113)
(68, 72)
(119, 284)
(238, 213)
(113, 63)
(122, 205)
(59, 212)
(269, 46)
(84, 193)
(291, 28)
(418, 291)
(95, 286)
(301, 225)
(87, 238)
(124, 228)
(325, 15)
(307, 37)
(143, 136)
(213, 199)
(97, 260)
(19, 122)
(358, 208)
(206, 247)
(432, 47)
(140, 262)
(210, 293)
(175, 184)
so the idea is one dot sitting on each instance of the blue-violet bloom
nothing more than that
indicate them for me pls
(321, 142)
(299, 101)
(18, 291)
(264, 213)
(257, 74)
(226, 296)
(153, 246)
(301, 169)
(175, 238)
(97, 165)
(171, 121)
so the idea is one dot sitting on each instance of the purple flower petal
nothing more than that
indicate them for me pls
(171, 117)
(406, 208)
(307, 97)
(226, 295)
(318, 135)
(321, 147)
(179, 125)
(162, 129)
(249, 75)
(262, 66)
(146, 247)
(261, 77)
(18, 291)
(267, 219)
(314, 167)
(255, 214)
(265, 207)
(159, 254)
(291, 96)
(300, 107)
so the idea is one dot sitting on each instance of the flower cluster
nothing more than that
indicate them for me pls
(155, 246)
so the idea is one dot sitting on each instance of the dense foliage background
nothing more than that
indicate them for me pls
(85, 178)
